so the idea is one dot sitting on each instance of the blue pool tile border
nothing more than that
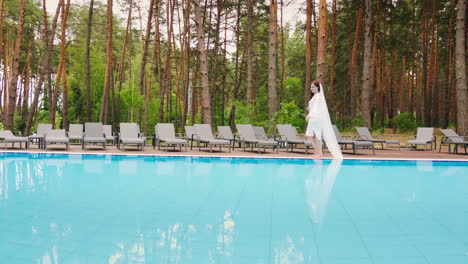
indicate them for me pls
(224, 157)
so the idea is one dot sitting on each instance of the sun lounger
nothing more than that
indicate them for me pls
(56, 136)
(260, 133)
(364, 134)
(75, 132)
(38, 136)
(165, 132)
(205, 135)
(8, 137)
(355, 144)
(247, 136)
(190, 134)
(93, 134)
(108, 134)
(142, 135)
(452, 138)
(424, 137)
(225, 132)
(288, 136)
(130, 135)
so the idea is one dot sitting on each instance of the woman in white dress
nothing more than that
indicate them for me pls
(319, 124)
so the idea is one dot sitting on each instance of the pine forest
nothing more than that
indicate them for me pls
(395, 64)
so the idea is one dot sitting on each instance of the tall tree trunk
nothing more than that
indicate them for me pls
(308, 55)
(187, 94)
(214, 70)
(250, 66)
(64, 97)
(107, 79)
(223, 89)
(48, 89)
(88, 63)
(236, 67)
(157, 46)
(449, 71)
(64, 68)
(462, 92)
(27, 78)
(272, 57)
(121, 70)
(55, 94)
(21, 84)
(373, 66)
(178, 69)
(322, 43)
(8, 50)
(207, 24)
(195, 90)
(238, 77)
(283, 68)
(61, 72)
(425, 70)
(141, 83)
(434, 100)
(114, 108)
(15, 71)
(392, 86)
(349, 21)
(2, 9)
(206, 107)
(150, 81)
(354, 73)
(331, 93)
(8, 62)
(366, 71)
(169, 51)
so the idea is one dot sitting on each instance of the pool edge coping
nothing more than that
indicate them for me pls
(228, 156)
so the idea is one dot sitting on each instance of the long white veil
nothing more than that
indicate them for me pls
(327, 129)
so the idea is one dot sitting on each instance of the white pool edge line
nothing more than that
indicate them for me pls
(227, 156)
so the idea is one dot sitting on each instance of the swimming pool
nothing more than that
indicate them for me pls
(58, 208)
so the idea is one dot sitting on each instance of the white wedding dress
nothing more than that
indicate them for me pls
(319, 124)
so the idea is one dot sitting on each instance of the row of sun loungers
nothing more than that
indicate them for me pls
(355, 144)
(202, 135)
(8, 137)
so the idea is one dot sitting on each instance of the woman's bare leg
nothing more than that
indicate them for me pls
(317, 147)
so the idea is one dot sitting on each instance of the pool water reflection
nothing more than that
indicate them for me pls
(136, 209)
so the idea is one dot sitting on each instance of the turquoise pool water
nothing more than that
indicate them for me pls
(136, 209)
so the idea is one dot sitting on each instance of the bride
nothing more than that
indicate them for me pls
(319, 124)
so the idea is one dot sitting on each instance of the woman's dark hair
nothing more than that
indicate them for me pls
(316, 84)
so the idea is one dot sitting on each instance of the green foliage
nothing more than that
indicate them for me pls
(58, 120)
(19, 122)
(43, 117)
(377, 124)
(292, 88)
(132, 99)
(405, 122)
(76, 102)
(452, 125)
(290, 113)
(244, 113)
(295, 54)
(347, 123)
